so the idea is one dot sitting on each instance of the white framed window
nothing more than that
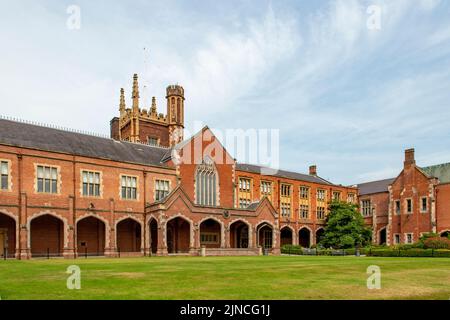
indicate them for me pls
(409, 238)
(90, 183)
(286, 200)
(351, 198)
(423, 204)
(47, 179)
(304, 193)
(162, 189)
(336, 195)
(396, 238)
(321, 195)
(128, 186)
(153, 141)
(4, 172)
(409, 206)
(321, 213)
(304, 211)
(366, 208)
(209, 238)
(266, 189)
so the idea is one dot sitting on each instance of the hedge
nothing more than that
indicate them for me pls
(409, 253)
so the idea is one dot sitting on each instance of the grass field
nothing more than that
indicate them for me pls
(272, 277)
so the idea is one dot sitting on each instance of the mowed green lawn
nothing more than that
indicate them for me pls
(264, 277)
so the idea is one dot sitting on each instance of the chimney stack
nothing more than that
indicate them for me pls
(409, 157)
(313, 170)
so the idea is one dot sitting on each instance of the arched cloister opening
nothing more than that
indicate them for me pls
(91, 236)
(128, 235)
(319, 234)
(265, 235)
(382, 236)
(178, 235)
(7, 236)
(304, 237)
(153, 228)
(239, 234)
(210, 233)
(286, 236)
(46, 236)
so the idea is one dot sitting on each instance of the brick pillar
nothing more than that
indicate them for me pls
(227, 237)
(194, 250)
(24, 249)
(111, 250)
(162, 233)
(69, 251)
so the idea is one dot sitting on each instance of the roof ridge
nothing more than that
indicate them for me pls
(436, 165)
(55, 127)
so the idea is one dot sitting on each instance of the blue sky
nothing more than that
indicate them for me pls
(344, 97)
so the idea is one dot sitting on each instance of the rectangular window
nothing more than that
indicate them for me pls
(91, 184)
(351, 198)
(161, 189)
(4, 171)
(397, 207)
(366, 208)
(396, 238)
(304, 211)
(424, 204)
(409, 238)
(336, 196)
(320, 213)
(321, 195)
(47, 179)
(409, 206)
(129, 187)
(285, 200)
(209, 238)
(304, 193)
(245, 192)
(266, 189)
(152, 141)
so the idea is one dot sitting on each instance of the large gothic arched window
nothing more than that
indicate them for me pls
(206, 183)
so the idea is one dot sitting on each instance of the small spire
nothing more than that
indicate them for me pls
(122, 101)
(135, 94)
(153, 109)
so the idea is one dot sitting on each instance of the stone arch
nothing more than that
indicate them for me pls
(222, 228)
(287, 237)
(55, 245)
(305, 236)
(237, 238)
(444, 233)
(382, 236)
(51, 213)
(104, 220)
(10, 234)
(263, 235)
(134, 246)
(91, 235)
(169, 232)
(320, 231)
(152, 239)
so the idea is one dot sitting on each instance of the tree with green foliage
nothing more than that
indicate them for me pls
(345, 227)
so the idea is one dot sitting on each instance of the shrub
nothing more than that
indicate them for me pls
(410, 253)
(437, 243)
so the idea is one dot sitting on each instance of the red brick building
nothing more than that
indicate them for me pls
(66, 193)
(417, 201)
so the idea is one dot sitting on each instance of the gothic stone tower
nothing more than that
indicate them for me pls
(139, 125)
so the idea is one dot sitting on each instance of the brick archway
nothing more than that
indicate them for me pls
(47, 235)
(286, 235)
(128, 235)
(8, 234)
(265, 233)
(304, 237)
(240, 234)
(91, 235)
(178, 234)
(319, 234)
(211, 233)
(153, 235)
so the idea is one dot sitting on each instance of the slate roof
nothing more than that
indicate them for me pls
(440, 171)
(374, 186)
(280, 173)
(32, 136)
